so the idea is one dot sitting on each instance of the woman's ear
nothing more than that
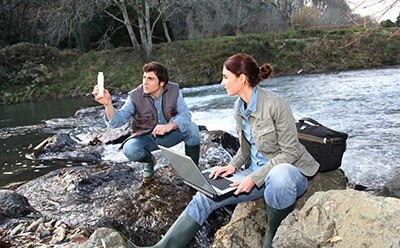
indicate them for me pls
(242, 79)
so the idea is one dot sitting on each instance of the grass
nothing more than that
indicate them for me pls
(30, 72)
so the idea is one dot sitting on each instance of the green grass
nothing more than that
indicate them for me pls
(30, 72)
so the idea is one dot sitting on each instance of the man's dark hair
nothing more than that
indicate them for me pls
(159, 69)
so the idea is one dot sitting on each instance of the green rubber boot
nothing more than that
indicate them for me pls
(275, 218)
(178, 235)
(148, 169)
(193, 152)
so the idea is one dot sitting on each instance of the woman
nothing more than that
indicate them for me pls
(268, 146)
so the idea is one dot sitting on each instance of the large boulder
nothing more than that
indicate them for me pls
(392, 187)
(248, 223)
(342, 218)
(13, 205)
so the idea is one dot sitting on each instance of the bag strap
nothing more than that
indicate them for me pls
(310, 120)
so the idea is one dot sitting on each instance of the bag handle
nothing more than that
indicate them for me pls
(312, 121)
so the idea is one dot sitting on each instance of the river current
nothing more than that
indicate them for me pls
(363, 103)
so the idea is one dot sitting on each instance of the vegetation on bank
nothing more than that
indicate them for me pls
(30, 72)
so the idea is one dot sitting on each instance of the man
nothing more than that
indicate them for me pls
(158, 115)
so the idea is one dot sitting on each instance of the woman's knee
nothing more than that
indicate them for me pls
(202, 201)
(278, 176)
(200, 207)
(284, 183)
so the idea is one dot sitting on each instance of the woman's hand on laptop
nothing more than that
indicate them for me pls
(244, 185)
(223, 171)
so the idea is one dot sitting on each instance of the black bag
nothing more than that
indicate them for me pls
(324, 144)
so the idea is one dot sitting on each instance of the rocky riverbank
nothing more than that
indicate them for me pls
(107, 204)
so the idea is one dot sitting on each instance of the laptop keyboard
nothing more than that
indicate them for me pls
(220, 182)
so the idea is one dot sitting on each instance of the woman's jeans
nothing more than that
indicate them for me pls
(139, 148)
(283, 185)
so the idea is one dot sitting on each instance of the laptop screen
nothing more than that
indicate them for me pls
(187, 169)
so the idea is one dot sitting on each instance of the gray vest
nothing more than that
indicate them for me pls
(145, 118)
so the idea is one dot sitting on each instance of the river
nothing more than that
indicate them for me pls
(363, 103)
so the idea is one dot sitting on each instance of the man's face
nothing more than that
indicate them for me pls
(151, 84)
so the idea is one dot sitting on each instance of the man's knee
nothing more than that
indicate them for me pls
(133, 150)
(192, 137)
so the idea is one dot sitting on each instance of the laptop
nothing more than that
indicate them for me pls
(192, 176)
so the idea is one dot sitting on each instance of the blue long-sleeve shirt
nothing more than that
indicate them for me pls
(182, 119)
(257, 159)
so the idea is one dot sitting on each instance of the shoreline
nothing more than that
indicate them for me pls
(35, 72)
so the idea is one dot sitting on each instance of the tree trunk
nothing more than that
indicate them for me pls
(128, 24)
(166, 32)
(145, 27)
(149, 32)
(79, 38)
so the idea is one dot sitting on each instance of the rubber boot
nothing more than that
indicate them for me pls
(193, 152)
(148, 169)
(178, 235)
(275, 218)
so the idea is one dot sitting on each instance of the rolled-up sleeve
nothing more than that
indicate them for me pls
(122, 115)
(183, 118)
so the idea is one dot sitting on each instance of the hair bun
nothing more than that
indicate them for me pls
(265, 71)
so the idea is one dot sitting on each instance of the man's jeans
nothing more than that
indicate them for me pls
(283, 185)
(139, 148)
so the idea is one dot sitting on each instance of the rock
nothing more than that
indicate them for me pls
(392, 187)
(13, 204)
(222, 139)
(108, 135)
(246, 227)
(66, 147)
(96, 112)
(323, 181)
(59, 234)
(42, 232)
(16, 230)
(103, 237)
(342, 218)
(34, 225)
(248, 223)
(113, 195)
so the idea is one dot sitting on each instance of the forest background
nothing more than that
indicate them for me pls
(54, 49)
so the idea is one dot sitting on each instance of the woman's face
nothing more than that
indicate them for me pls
(231, 82)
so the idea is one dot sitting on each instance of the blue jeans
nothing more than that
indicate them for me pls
(139, 148)
(283, 184)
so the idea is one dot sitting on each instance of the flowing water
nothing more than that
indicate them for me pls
(364, 103)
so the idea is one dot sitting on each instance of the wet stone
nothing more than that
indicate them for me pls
(86, 198)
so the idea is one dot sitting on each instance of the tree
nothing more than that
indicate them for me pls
(334, 12)
(398, 21)
(62, 19)
(307, 17)
(287, 8)
(204, 19)
(122, 5)
(17, 22)
(146, 13)
(388, 24)
(166, 9)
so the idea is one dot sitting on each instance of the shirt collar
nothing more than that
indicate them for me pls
(245, 113)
